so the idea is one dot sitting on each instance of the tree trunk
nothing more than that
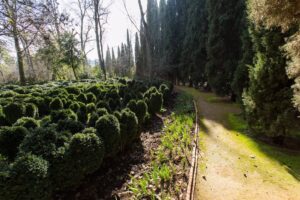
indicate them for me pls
(19, 56)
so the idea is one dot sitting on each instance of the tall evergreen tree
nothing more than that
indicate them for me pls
(108, 61)
(223, 43)
(267, 101)
(193, 56)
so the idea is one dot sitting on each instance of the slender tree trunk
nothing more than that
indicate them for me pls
(98, 36)
(148, 43)
(19, 56)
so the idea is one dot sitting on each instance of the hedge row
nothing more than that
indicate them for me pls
(52, 136)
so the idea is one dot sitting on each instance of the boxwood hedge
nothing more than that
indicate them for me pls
(55, 134)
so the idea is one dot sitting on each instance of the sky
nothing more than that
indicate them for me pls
(118, 23)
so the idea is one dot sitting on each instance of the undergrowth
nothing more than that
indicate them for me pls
(170, 161)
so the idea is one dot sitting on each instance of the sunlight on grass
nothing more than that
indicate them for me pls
(170, 157)
(272, 161)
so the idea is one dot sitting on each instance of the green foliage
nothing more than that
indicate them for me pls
(155, 103)
(140, 109)
(91, 98)
(267, 101)
(83, 157)
(62, 115)
(56, 104)
(27, 122)
(91, 107)
(31, 110)
(108, 128)
(44, 142)
(27, 178)
(74, 106)
(165, 90)
(13, 112)
(82, 97)
(129, 127)
(10, 140)
(70, 125)
(223, 43)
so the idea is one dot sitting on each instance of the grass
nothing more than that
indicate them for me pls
(274, 160)
(159, 182)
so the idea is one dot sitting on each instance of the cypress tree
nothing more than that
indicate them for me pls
(223, 44)
(267, 101)
(193, 56)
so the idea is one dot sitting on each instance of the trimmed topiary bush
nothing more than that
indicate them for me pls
(91, 107)
(103, 104)
(129, 127)
(13, 112)
(27, 122)
(90, 130)
(164, 89)
(44, 142)
(27, 179)
(62, 115)
(70, 125)
(74, 106)
(91, 98)
(83, 157)
(56, 104)
(140, 109)
(82, 97)
(101, 112)
(155, 103)
(150, 91)
(10, 140)
(108, 128)
(31, 110)
(92, 118)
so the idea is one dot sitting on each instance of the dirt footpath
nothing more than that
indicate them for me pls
(230, 169)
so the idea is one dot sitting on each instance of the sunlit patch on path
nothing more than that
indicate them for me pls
(233, 165)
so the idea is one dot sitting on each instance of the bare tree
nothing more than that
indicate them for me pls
(85, 27)
(16, 19)
(101, 12)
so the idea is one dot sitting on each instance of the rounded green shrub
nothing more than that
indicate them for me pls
(114, 103)
(86, 152)
(82, 97)
(150, 91)
(73, 90)
(165, 90)
(103, 104)
(140, 109)
(89, 130)
(3, 121)
(10, 140)
(58, 115)
(91, 98)
(27, 122)
(70, 125)
(91, 107)
(101, 112)
(74, 106)
(31, 110)
(108, 128)
(45, 121)
(83, 157)
(56, 104)
(129, 127)
(13, 112)
(155, 103)
(44, 142)
(27, 179)
(92, 118)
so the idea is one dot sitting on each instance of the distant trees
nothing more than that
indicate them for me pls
(233, 48)
(123, 64)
